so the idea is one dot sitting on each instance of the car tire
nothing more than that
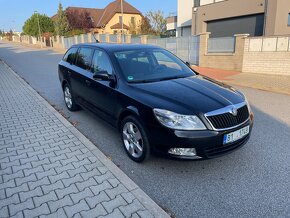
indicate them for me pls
(69, 99)
(134, 138)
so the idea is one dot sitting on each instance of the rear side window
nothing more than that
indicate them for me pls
(101, 63)
(70, 55)
(84, 58)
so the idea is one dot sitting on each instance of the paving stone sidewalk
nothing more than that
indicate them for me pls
(267, 82)
(49, 169)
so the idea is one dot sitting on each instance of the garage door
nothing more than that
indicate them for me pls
(253, 24)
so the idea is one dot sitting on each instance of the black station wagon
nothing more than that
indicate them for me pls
(158, 103)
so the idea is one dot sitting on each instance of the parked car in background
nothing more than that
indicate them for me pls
(158, 103)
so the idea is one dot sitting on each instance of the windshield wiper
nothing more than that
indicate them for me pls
(145, 81)
(172, 77)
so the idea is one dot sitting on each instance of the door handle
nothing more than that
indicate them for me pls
(88, 82)
(69, 73)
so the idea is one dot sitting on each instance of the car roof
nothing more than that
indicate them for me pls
(111, 47)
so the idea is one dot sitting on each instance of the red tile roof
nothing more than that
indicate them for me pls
(113, 8)
(102, 16)
(118, 26)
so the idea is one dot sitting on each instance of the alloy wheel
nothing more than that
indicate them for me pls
(133, 140)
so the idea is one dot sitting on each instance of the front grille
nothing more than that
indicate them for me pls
(227, 120)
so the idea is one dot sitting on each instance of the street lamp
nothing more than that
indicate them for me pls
(122, 23)
(39, 32)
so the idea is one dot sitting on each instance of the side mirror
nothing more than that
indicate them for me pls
(189, 65)
(103, 75)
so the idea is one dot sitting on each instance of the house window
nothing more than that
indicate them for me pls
(133, 20)
(289, 19)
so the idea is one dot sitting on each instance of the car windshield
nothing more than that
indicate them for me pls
(151, 65)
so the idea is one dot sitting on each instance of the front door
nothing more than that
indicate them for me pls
(102, 93)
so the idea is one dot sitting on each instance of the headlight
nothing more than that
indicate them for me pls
(248, 105)
(246, 100)
(177, 121)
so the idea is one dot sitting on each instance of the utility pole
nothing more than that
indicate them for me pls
(39, 32)
(122, 23)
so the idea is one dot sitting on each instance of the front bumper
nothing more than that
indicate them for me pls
(208, 144)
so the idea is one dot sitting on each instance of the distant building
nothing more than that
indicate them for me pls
(109, 19)
(229, 17)
(171, 26)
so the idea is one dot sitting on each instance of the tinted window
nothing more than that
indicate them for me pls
(151, 65)
(84, 58)
(101, 63)
(70, 55)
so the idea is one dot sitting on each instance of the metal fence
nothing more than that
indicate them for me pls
(221, 45)
(186, 48)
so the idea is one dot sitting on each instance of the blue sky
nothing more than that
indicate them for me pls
(14, 13)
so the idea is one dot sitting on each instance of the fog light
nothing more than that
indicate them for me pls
(183, 151)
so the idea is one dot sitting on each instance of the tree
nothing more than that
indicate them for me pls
(145, 28)
(61, 23)
(133, 28)
(157, 21)
(79, 20)
(31, 25)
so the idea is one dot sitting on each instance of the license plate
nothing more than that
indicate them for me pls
(234, 136)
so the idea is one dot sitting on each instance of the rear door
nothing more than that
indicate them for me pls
(80, 73)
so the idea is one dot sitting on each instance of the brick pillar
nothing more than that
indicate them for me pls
(144, 39)
(203, 38)
(240, 49)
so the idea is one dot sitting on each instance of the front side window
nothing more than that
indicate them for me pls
(70, 55)
(84, 58)
(151, 65)
(101, 63)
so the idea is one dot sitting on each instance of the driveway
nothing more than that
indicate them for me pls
(251, 182)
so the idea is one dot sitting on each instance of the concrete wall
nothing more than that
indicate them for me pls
(225, 61)
(277, 18)
(222, 10)
(267, 55)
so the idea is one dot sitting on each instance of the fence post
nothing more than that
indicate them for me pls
(89, 37)
(62, 42)
(82, 38)
(128, 38)
(107, 38)
(119, 38)
(144, 39)
(76, 41)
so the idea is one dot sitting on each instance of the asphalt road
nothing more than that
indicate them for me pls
(251, 182)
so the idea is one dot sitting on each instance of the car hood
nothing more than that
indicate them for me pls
(189, 95)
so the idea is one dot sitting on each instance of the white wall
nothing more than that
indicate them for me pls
(171, 26)
(184, 12)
